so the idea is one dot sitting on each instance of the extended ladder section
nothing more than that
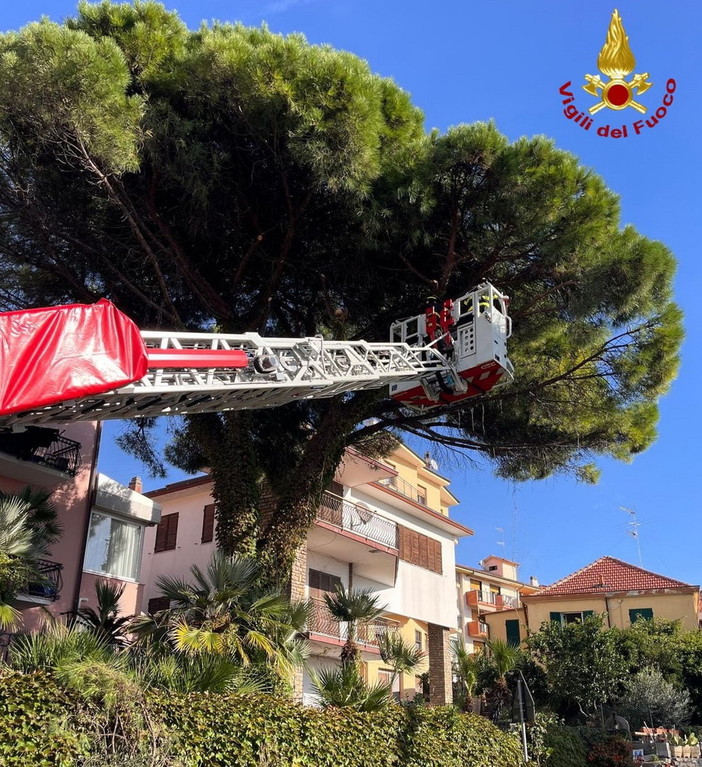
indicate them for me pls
(278, 371)
(90, 362)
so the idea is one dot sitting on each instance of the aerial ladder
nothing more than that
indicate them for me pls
(90, 362)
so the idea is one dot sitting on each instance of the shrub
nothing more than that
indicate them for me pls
(566, 747)
(34, 726)
(41, 726)
(611, 752)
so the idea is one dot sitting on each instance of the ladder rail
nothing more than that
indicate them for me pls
(308, 368)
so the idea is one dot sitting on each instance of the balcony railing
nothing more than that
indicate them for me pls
(406, 489)
(43, 446)
(321, 622)
(477, 629)
(357, 519)
(49, 586)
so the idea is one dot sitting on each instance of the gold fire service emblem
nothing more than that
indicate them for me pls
(616, 61)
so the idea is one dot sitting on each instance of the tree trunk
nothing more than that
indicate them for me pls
(298, 504)
(226, 443)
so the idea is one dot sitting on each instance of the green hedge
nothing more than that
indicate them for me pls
(39, 727)
(567, 747)
(238, 731)
(34, 723)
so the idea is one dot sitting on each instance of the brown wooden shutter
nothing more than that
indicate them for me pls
(336, 487)
(167, 533)
(158, 603)
(423, 544)
(438, 564)
(208, 520)
(419, 549)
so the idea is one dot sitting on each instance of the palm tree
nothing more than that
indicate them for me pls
(355, 607)
(401, 656)
(223, 611)
(106, 622)
(28, 527)
(504, 658)
(345, 688)
(466, 667)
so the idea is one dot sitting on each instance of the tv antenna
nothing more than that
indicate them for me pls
(633, 530)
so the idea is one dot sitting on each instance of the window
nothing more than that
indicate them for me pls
(512, 632)
(641, 614)
(421, 495)
(113, 548)
(337, 488)
(575, 617)
(322, 583)
(166, 533)
(208, 520)
(420, 550)
(418, 639)
(157, 604)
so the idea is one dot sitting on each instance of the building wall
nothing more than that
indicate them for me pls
(406, 684)
(189, 550)
(668, 606)
(417, 591)
(497, 623)
(71, 497)
(504, 580)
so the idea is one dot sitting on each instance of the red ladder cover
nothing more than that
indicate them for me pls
(66, 352)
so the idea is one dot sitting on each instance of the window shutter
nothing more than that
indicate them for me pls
(172, 533)
(157, 604)
(643, 613)
(437, 558)
(423, 544)
(512, 631)
(336, 487)
(208, 519)
(555, 617)
(166, 533)
(588, 613)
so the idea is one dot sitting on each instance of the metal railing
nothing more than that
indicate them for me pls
(49, 587)
(43, 446)
(321, 622)
(357, 519)
(408, 490)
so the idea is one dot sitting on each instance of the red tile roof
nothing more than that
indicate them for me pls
(609, 574)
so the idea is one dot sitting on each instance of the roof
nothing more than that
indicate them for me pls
(608, 574)
(183, 484)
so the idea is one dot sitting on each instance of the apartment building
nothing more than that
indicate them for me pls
(102, 520)
(492, 588)
(381, 525)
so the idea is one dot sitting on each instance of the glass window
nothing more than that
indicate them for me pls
(114, 547)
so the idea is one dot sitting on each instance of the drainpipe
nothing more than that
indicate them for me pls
(92, 493)
(609, 617)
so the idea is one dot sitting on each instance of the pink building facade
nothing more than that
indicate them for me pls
(103, 522)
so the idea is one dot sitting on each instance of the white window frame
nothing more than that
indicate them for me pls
(140, 548)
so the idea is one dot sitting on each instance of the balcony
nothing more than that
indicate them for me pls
(358, 520)
(477, 629)
(43, 446)
(353, 534)
(405, 489)
(321, 626)
(47, 587)
(503, 602)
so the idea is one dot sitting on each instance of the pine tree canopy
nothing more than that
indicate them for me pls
(236, 179)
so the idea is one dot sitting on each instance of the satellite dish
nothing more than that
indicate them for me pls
(364, 513)
(433, 465)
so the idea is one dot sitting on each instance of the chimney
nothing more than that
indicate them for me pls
(533, 581)
(135, 484)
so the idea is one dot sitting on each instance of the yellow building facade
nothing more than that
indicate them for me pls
(622, 593)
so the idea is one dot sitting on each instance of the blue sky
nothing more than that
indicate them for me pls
(464, 61)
